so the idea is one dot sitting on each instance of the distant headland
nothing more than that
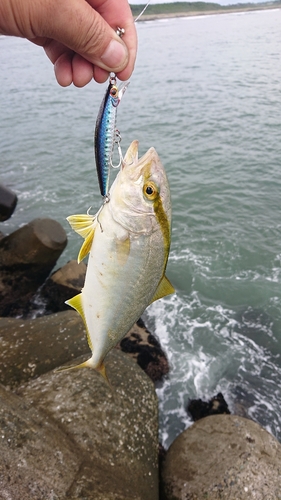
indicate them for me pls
(184, 9)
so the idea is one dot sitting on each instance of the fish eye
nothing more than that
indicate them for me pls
(114, 91)
(150, 191)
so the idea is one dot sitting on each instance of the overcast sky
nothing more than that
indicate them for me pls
(221, 2)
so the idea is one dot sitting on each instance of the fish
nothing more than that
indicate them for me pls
(106, 134)
(128, 243)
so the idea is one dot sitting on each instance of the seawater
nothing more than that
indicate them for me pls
(206, 93)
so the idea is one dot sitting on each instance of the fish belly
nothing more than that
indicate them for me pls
(121, 280)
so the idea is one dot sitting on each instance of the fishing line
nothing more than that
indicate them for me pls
(143, 10)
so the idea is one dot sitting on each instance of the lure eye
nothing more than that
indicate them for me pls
(150, 191)
(114, 92)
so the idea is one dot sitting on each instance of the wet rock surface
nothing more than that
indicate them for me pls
(215, 406)
(114, 432)
(37, 460)
(8, 202)
(29, 348)
(27, 257)
(223, 457)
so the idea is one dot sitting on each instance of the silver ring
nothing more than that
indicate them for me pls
(120, 31)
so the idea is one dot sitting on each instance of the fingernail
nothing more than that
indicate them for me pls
(115, 55)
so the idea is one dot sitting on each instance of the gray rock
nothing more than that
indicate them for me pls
(37, 459)
(8, 202)
(27, 257)
(114, 430)
(223, 457)
(32, 347)
(29, 348)
(63, 284)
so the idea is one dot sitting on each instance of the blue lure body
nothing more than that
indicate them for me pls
(105, 133)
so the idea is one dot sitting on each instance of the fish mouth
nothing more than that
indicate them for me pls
(132, 155)
(134, 167)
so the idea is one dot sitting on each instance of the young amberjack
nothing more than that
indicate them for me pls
(128, 242)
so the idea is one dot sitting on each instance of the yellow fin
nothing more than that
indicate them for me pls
(164, 288)
(86, 247)
(85, 364)
(83, 224)
(76, 303)
(101, 369)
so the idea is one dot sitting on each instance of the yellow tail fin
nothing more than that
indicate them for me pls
(87, 364)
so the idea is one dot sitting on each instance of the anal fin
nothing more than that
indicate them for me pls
(76, 303)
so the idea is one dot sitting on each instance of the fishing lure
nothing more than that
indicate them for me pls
(106, 134)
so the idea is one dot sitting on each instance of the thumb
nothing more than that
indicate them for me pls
(79, 27)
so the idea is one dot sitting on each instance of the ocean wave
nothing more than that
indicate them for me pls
(215, 350)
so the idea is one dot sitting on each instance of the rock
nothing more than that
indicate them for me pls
(146, 350)
(62, 285)
(37, 459)
(199, 409)
(32, 347)
(113, 430)
(8, 202)
(29, 348)
(223, 457)
(27, 257)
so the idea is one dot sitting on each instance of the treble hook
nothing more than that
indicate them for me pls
(117, 141)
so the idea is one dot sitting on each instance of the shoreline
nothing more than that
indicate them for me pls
(155, 17)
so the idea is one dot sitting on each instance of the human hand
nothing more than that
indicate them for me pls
(78, 36)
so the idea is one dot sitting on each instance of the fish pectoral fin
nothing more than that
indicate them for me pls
(164, 288)
(82, 224)
(86, 247)
(85, 225)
